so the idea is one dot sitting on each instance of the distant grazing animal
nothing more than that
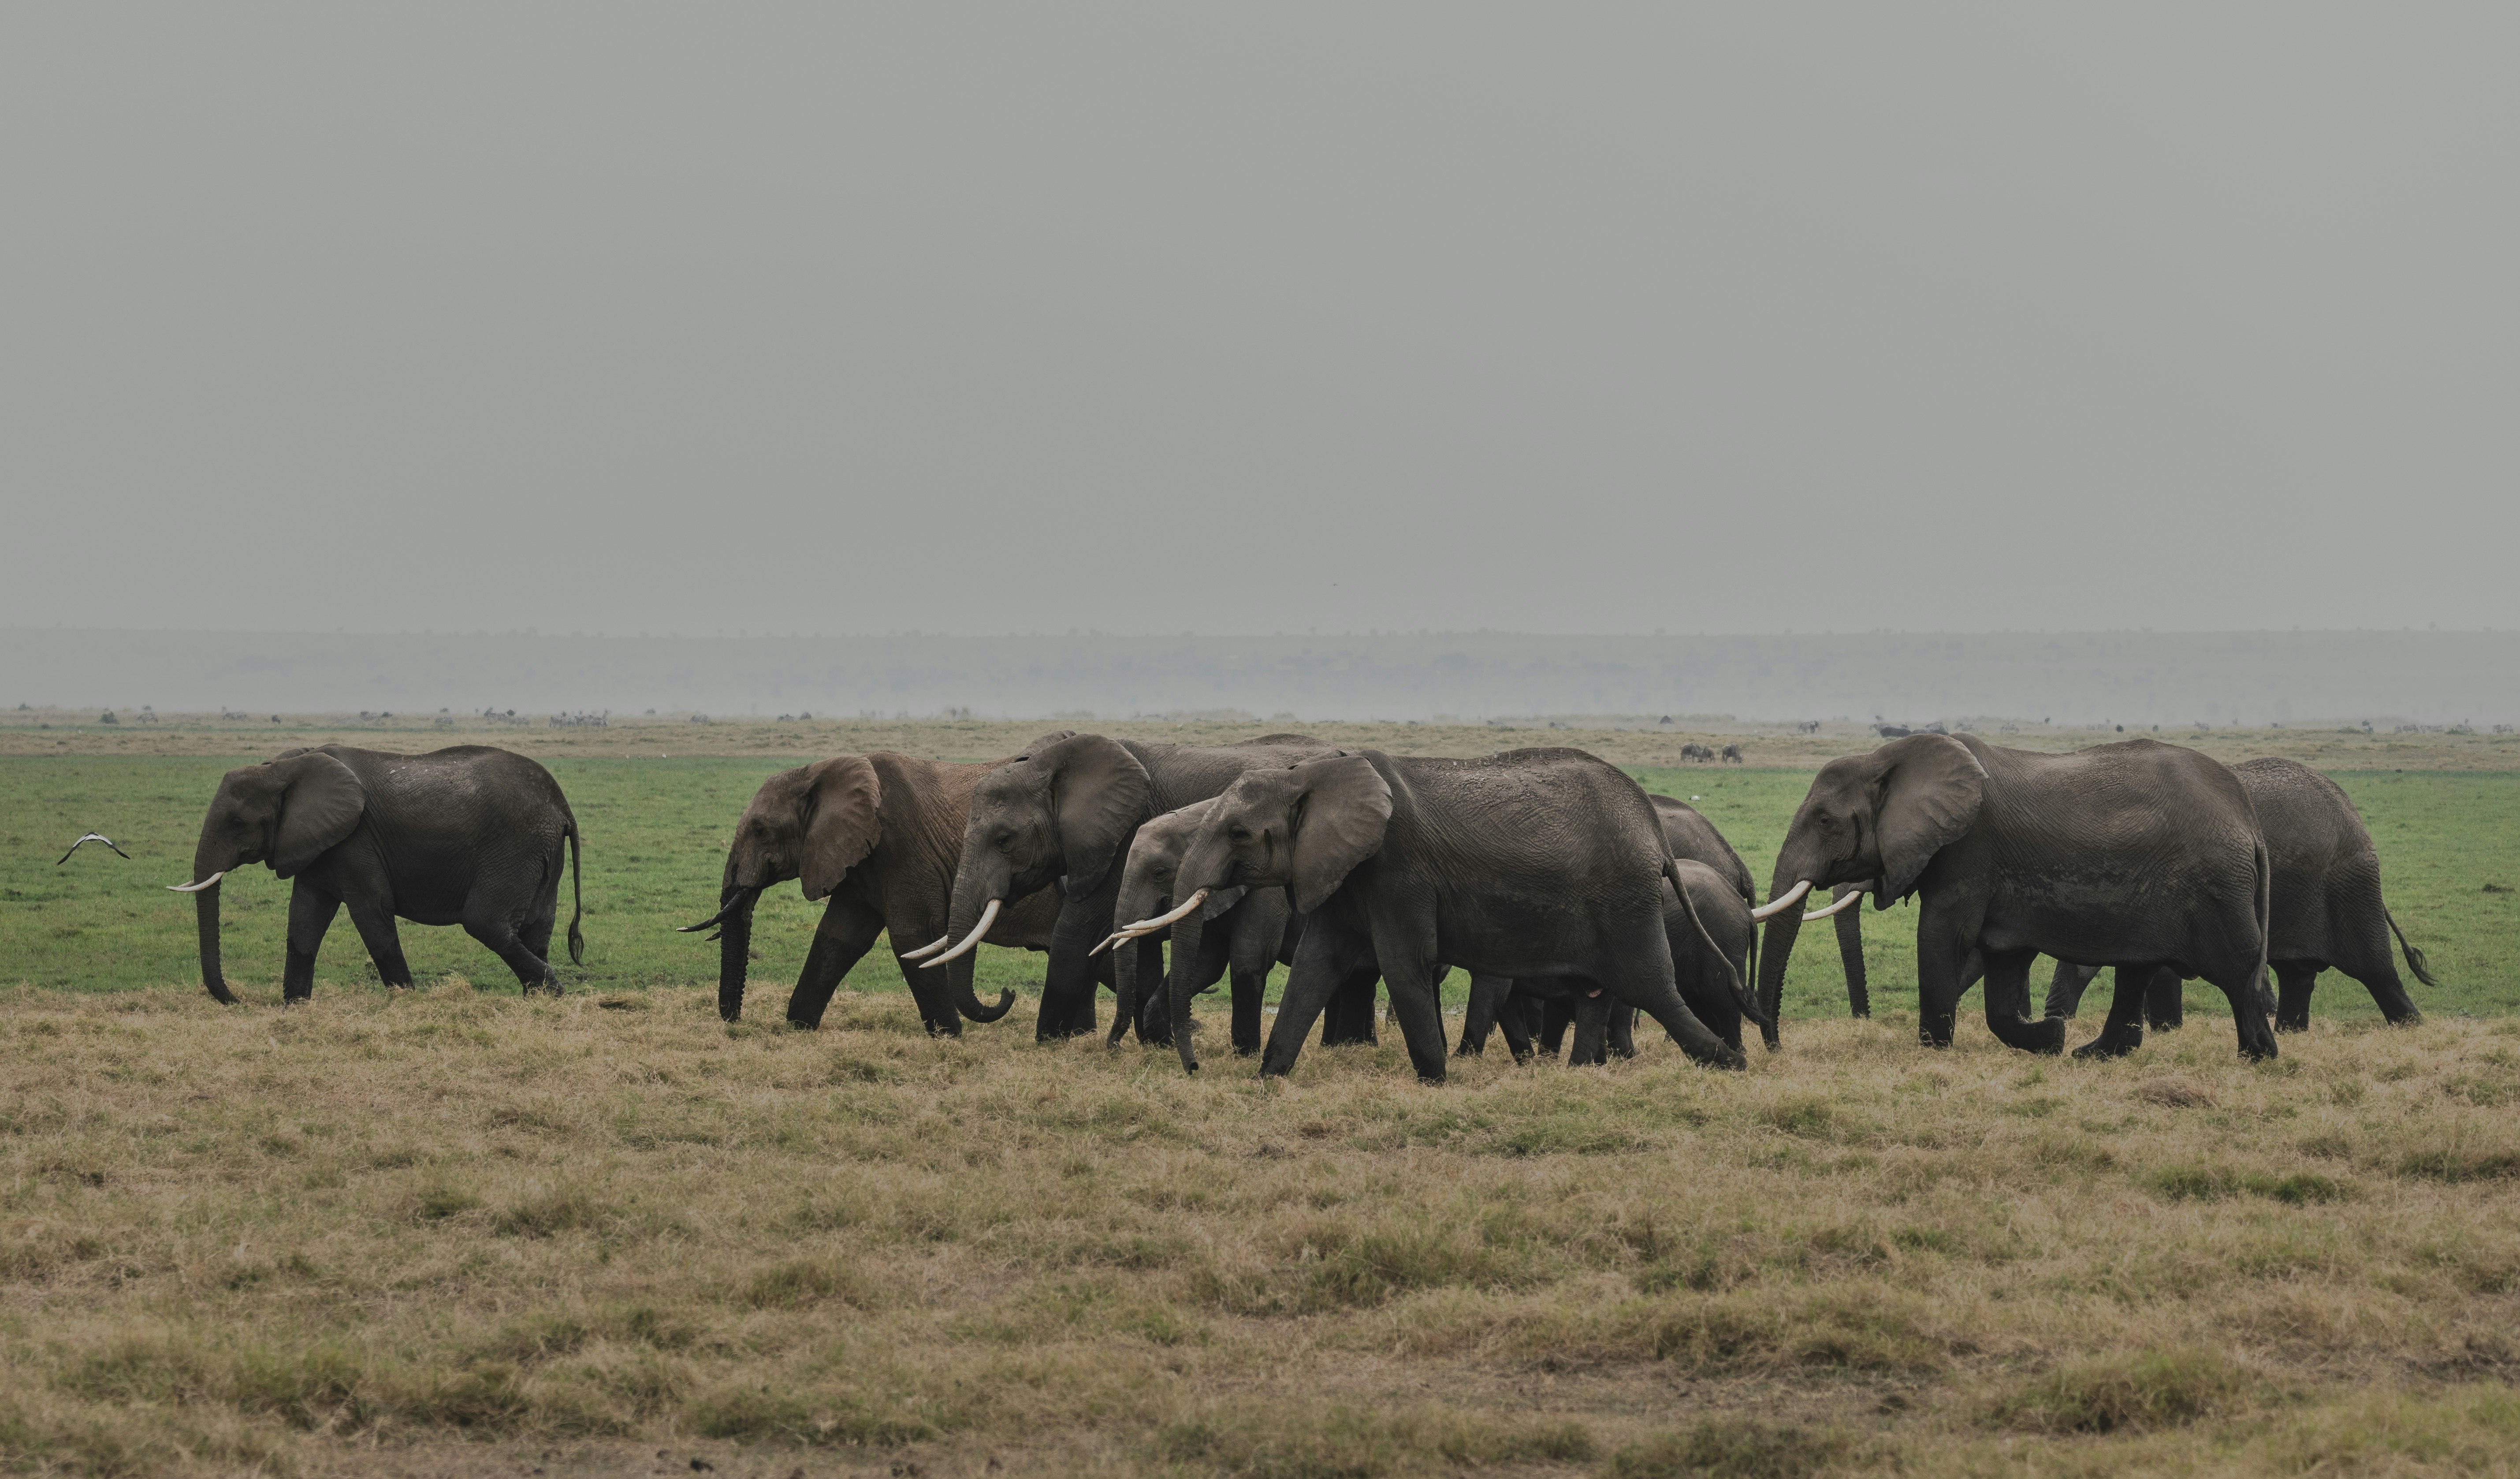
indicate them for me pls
(92, 837)
(1696, 753)
(468, 836)
(875, 835)
(1733, 754)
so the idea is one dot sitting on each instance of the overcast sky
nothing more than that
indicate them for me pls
(621, 318)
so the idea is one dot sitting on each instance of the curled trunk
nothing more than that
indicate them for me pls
(735, 948)
(1187, 934)
(972, 895)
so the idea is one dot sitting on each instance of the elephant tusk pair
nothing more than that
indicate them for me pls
(1144, 927)
(1856, 897)
(196, 887)
(972, 941)
(928, 949)
(1793, 896)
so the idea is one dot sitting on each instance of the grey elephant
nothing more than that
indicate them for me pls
(1529, 864)
(1247, 931)
(1706, 978)
(1064, 812)
(1691, 838)
(2326, 912)
(468, 836)
(2136, 853)
(876, 835)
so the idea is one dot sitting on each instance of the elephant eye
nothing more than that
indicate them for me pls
(1238, 832)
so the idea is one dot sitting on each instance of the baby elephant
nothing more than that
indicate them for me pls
(468, 836)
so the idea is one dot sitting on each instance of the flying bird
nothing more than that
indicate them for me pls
(92, 837)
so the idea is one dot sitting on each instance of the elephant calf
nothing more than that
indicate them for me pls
(468, 836)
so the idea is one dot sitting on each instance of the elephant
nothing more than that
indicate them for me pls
(2326, 912)
(1705, 980)
(1064, 812)
(1248, 930)
(1691, 838)
(468, 836)
(1732, 755)
(2135, 854)
(1527, 863)
(1695, 753)
(875, 835)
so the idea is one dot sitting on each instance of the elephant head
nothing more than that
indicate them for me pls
(1062, 810)
(813, 823)
(1880, 817)
(1303, 829)
(1147, 886)
(285, 812)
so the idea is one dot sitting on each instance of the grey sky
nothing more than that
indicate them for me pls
(1245, 318)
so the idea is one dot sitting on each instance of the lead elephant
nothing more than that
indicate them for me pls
(2137, 853)
(468, 836)
(1064, 812)
(1532, 862)
(875, 835)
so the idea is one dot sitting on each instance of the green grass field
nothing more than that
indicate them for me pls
(656, 831)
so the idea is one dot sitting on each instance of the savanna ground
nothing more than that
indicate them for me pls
(454, 1231)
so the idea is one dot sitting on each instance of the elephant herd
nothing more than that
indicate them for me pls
(1570, 895)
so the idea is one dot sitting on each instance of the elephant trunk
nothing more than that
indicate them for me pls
(1774, 951)
(979, 892)
(206, 912)
(1187, 933)
(735, 948)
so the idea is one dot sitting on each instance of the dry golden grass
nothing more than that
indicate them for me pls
(450, 1233)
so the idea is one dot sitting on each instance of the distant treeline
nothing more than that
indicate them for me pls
(2078, 678)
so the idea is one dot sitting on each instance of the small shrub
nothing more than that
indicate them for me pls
(2157, 1389)
(1730, 1448)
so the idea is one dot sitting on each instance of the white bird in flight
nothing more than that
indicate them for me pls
(92, 837)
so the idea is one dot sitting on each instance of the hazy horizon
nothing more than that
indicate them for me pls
(1410, 317)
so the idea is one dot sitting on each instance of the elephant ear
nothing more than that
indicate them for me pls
(1340, 815)
(320, 804)
(845, 821)
(1043, 743)
(1098, 795)
(1931, 790)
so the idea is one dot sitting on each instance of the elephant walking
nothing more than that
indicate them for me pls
(1534, 863)
(876, 835)
(2326, 914)
(1065, 813)
(468, 836)
(2135, 854)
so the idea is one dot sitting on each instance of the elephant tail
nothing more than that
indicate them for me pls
(2266, 919)
(2414, 957)
(577, 901)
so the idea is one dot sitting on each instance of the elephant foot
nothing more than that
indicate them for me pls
(2107, 1046)
(2292, 1024)
(2411, 1017)
(2045, 1036)
(2259, 1051)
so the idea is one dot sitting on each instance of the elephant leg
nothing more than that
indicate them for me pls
(1850, 955)
(2294, 981)
(2007, 1004)
(310, 913)
(499, 935)
(1153, 1009)
(1068, 982)
(1642, 978)
(1326, 959)
(1250, 990)
(1592, 1030)
(376, 926)
(1349, 1020)
(2165, 1000)
(1488, 994)
(1623, 1030)
(843, 935)
(2256, 1035)
(1940, 954)
(2123, 1032)
(536, 935)
(1554, 1013)
(1516, 1019)
(2067, 987)
(1415, 1006)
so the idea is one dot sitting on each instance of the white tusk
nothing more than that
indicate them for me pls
(1856, 897)
(1792, 897)
(924, 950)
(196, 887)
(972, 941)
(1116, 937)
(1180, 910)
